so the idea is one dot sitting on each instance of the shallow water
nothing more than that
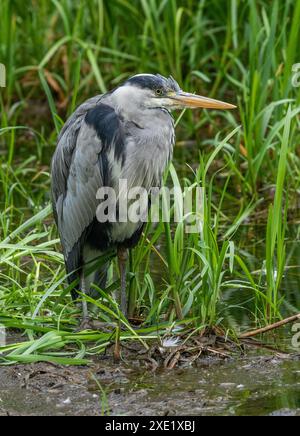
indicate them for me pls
(256, 385)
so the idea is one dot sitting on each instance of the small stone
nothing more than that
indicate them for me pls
(67, 401)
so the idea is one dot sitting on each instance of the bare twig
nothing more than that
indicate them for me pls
(251, 342)
(270, 327)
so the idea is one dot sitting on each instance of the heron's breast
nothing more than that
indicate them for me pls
(148, 152)
(145, 158)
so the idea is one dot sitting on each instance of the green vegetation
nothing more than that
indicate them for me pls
(231, 274)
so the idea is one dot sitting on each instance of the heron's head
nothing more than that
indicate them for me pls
(156, 91)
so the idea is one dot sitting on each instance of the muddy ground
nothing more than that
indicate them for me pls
(253, 385)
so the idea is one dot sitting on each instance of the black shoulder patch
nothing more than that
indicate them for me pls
(109, 128)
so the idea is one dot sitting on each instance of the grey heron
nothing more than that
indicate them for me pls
(127, 133)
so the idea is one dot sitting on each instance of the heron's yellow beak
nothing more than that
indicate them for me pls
(188, 100)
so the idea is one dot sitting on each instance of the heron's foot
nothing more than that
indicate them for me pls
(89, 324)
(105, 327)
(85, 324)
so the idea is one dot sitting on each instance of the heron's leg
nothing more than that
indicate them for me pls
(85, 322)
(122, 259)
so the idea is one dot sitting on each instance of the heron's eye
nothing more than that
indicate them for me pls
(159, 91)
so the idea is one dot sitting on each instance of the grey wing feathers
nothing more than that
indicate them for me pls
(76, 177)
